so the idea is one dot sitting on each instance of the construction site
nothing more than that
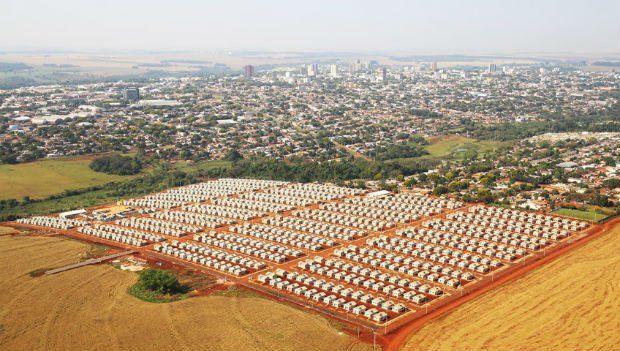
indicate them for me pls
(378, 261)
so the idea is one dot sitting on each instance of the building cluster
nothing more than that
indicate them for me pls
(283, 112)
(358, 255)
(544, 172)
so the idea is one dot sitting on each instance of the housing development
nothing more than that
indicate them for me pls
(374, 259)
(376, 196)
(327, 176)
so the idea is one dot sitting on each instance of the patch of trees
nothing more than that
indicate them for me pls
(299, 170)
(400, 151)
(551, 124)
(424, 113)
(159, 281)
(116, 164)
(8, 159)
(233, 155)
(612, 183)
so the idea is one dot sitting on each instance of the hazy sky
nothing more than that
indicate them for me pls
(447, 26)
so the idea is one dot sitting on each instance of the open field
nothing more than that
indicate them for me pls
(587, 215)
(87, 199)
(89, 308)
(202, 165)
(579, 310)
(455, 146)
(447, 147)
(6, 230)
(40, 179)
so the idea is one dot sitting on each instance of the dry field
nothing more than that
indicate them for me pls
(6, 230)
(89, 309)
(571, 303)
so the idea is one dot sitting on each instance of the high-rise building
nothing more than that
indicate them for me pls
(333, 71)
(382, 74)
(313, 70)
(132, 94)
(248, 71)
(492, 68)
(434, 66)
(356, 66)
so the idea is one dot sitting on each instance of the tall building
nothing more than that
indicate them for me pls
(434, 66)
(492, 68)
(356, 66)
(382, 74)
(313, 70)
(333, 70)
(132, 94)
(248, 71)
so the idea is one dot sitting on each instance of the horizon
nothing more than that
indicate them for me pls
(573, 27)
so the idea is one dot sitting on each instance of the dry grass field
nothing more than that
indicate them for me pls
(6, 230)
(571, 303)
(89, 309)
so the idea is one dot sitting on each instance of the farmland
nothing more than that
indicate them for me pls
(580, 309)
(51, 313)
(40, 179)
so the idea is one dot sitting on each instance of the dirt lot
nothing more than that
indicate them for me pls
(569, 304)
(89, 309)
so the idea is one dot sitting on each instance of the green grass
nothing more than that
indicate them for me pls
(453, 147)
(202, 165)
(588, 215)
(456, 146)
(88, 199)
(41, 179)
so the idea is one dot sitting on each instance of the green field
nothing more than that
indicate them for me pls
(456, 146)
(43, 178)
(451, 147)
(202, 165)
(588, 215)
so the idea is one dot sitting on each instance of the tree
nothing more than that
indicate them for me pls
(116, 164)
(157, 280)
(233, 155)
(9, 159)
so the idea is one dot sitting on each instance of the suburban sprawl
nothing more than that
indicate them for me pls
(356, 200)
